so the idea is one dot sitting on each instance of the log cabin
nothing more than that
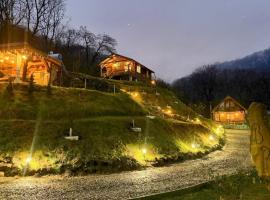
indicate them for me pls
(229, 111)
(20, 61)
(123, 68)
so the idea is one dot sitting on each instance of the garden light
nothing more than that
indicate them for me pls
(169, 111)
(144, 151)
(197, 120)
(28, 160)
(211, 138)
(135, 94)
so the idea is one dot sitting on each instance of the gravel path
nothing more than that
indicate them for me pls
(235, 156)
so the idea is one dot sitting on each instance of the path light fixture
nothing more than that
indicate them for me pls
(144, 151)
(135, 94)
(28, 160)
(211, 138)
(197, 120)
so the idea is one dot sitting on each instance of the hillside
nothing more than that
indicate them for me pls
(259, 61)
(33, 127)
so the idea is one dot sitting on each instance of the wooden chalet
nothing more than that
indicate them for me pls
(229, 111)
(19, 61)
(123, 68)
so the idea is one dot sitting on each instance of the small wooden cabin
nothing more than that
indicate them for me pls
(19, 61)
(123, 68)
(229, 111)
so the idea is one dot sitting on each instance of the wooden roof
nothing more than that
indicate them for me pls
(107, 60)
(226, 99)
(26, 46)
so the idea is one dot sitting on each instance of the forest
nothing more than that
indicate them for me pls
(44, 24)
(209, 84)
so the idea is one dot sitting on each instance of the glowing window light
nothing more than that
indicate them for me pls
(116, 65)
(139, 69)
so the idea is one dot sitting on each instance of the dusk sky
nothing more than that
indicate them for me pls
(173, 37)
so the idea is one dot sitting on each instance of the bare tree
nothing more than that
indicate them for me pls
(51, 20)
(29, 7)
(70, 37)
(105, 45)
(11, 11)
(88, 40)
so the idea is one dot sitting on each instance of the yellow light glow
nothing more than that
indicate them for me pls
(1, 61)
(135, 94)
(153, 82)
(219, 130)
(169, 111)
(24, 57)
(12, 61)
(211, 138)
(144, 150)
(193, 145)
(7, 58)
(28, 160)
(142, 154)
(197, 120)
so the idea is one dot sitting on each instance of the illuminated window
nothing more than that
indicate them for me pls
(127, 68)
(139, 69)
(116, 65)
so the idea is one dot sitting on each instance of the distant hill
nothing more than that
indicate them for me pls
(259, 61)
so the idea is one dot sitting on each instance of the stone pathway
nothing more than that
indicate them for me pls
(235, 156)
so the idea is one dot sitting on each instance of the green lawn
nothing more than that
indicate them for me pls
(40, 121)
(248, 187)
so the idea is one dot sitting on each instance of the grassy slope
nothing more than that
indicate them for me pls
(102, 121)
